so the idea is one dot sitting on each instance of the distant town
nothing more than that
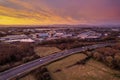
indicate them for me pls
(37, 34)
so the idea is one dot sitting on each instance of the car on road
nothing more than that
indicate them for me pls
(41, 60)
(84, 47)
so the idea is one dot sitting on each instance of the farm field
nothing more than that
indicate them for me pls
(44, 51)
(92, 70)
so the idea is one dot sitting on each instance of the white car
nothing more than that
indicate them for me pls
(40, 60)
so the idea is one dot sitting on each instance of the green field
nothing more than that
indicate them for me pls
(62, 69)
(92, 70)
(44, 51)
(28, 77)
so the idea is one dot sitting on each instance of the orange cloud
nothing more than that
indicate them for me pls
(21, 17)
(58, 11)
(30, 16)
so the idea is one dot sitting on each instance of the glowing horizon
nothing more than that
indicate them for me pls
(46, 12)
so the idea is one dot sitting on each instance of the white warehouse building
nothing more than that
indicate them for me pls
(16, 38)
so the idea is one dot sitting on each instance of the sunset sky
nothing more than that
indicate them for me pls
(44, 12)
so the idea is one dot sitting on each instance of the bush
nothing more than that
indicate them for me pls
(41, 74)
(97, 56)
(109, 61)
(117, 60)
(14, 52)
(109, 56)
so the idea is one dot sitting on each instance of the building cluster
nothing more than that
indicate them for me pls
(16, 38)
(50, 35)
(89, 35)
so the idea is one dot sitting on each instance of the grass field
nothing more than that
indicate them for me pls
(28, 77)
(44, 51)
(41, 51)
(92, 70)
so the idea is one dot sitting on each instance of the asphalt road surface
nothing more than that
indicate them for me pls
(17, 71)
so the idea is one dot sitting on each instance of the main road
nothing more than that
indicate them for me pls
(22, 69)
